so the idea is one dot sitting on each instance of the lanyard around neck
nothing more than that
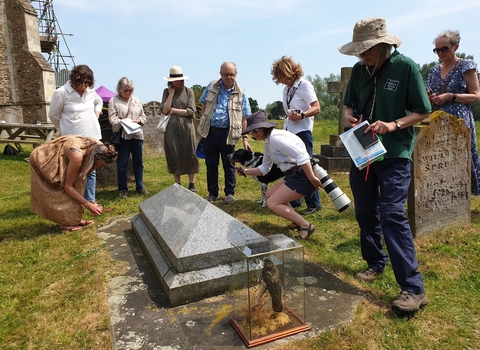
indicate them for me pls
(291, 93)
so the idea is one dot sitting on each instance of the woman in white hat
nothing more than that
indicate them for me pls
(288, 151)
(387, 89)
(178, 101)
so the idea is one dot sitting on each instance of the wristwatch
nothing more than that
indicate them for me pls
(303, 115)
(398, 124)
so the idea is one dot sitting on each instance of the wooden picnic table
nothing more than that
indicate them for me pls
(18, 134)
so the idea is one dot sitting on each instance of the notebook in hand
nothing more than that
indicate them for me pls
(366, 139)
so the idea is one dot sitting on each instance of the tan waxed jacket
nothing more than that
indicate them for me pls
(235, 111)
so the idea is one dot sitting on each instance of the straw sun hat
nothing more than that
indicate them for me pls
(368, 33)
(176, 73)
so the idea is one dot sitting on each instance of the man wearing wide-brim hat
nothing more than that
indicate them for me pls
(387, 89)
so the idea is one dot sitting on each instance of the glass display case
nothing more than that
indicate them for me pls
(268, 289)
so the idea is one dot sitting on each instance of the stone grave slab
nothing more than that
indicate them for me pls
(188, 242)
(439, 194)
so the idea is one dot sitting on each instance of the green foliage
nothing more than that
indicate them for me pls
(329, 102)
(276, 111)
(253, 105)
(198, 91)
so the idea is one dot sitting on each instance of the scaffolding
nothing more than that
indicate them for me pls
(51, 37)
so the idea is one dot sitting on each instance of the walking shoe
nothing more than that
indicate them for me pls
(309, 211)
(409, 302)
(211, 198)
(368, 275)
(229, 199)
(122, 194)
(143, 192)
(191, 187)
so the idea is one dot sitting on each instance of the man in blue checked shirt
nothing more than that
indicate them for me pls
(224, 111)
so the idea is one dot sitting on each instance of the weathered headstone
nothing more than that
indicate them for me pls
(334, 156)
(153, 138)
(188, 242)
(439, 194)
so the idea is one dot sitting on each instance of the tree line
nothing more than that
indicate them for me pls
(329, 102)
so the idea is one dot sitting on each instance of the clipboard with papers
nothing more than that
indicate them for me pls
(362, 148)
(130, 126)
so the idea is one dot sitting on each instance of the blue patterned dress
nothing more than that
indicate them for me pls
(458, 84)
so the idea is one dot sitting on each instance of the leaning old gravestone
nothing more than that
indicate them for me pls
(188, 243)
(334, 156)
(439, 194)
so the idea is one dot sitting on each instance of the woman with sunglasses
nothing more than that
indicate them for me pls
(452, 87)
(290, 154)
(126, 106)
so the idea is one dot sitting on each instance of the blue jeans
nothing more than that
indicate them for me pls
(91, 184)
(380, 209)
(214, 146)
(312, 201)
(127, 147)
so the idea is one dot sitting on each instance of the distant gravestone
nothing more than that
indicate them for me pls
(439, 195)
(188, 242)
(153, 139)
(334, 156)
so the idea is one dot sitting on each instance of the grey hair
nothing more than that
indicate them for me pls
(227, 63)
(452, 35)
(124, 83)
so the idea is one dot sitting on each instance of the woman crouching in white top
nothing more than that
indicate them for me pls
(289, 153)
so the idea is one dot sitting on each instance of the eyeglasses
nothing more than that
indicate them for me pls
(441, 49)
(365, 53)
(254, 131)
(128, 90)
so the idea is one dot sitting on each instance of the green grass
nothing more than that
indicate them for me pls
(53, 285)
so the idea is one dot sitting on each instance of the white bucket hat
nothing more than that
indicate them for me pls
(366, 34)
(176, 73)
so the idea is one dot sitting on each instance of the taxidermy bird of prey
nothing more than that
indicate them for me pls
(272, 280)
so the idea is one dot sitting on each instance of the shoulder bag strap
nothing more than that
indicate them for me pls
(459, 62)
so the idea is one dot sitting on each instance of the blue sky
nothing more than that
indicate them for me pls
(142, 39)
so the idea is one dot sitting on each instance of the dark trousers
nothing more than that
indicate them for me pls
(312, 201)
(380, 209)
(135, 147)
(214, 147)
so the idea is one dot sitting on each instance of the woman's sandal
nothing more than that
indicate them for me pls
(293, 226)
(310, 230)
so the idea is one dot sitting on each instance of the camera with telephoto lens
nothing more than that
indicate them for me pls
(339, 199)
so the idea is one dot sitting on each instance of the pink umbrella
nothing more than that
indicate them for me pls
(105, 94)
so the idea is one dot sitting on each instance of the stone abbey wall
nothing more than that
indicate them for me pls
(27, 80)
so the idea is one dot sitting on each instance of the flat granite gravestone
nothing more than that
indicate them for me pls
(439, 194)
(188, 242)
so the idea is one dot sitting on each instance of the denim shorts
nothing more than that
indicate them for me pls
(299, 182)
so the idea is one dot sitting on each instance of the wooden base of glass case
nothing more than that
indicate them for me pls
(247, 331)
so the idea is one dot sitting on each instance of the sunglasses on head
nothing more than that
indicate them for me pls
(441, 49)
